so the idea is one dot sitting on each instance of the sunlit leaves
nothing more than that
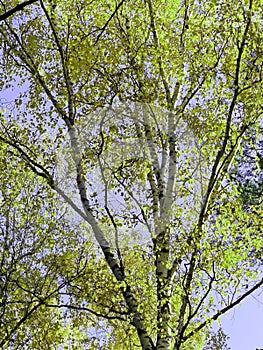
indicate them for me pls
(164, 185)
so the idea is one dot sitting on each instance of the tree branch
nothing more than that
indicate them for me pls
(17, 8)
(74, 307)
(215, 171)
(223, 311)
(108, 21)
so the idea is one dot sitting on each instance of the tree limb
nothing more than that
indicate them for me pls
(17, 8)
(223, 311)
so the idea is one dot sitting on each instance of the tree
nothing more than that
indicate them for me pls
(131, 119)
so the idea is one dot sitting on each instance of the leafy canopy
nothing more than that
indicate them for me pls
(130, 211)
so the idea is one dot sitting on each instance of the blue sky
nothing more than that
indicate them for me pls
(244, 325)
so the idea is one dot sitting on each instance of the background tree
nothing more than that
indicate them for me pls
(88, 153)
